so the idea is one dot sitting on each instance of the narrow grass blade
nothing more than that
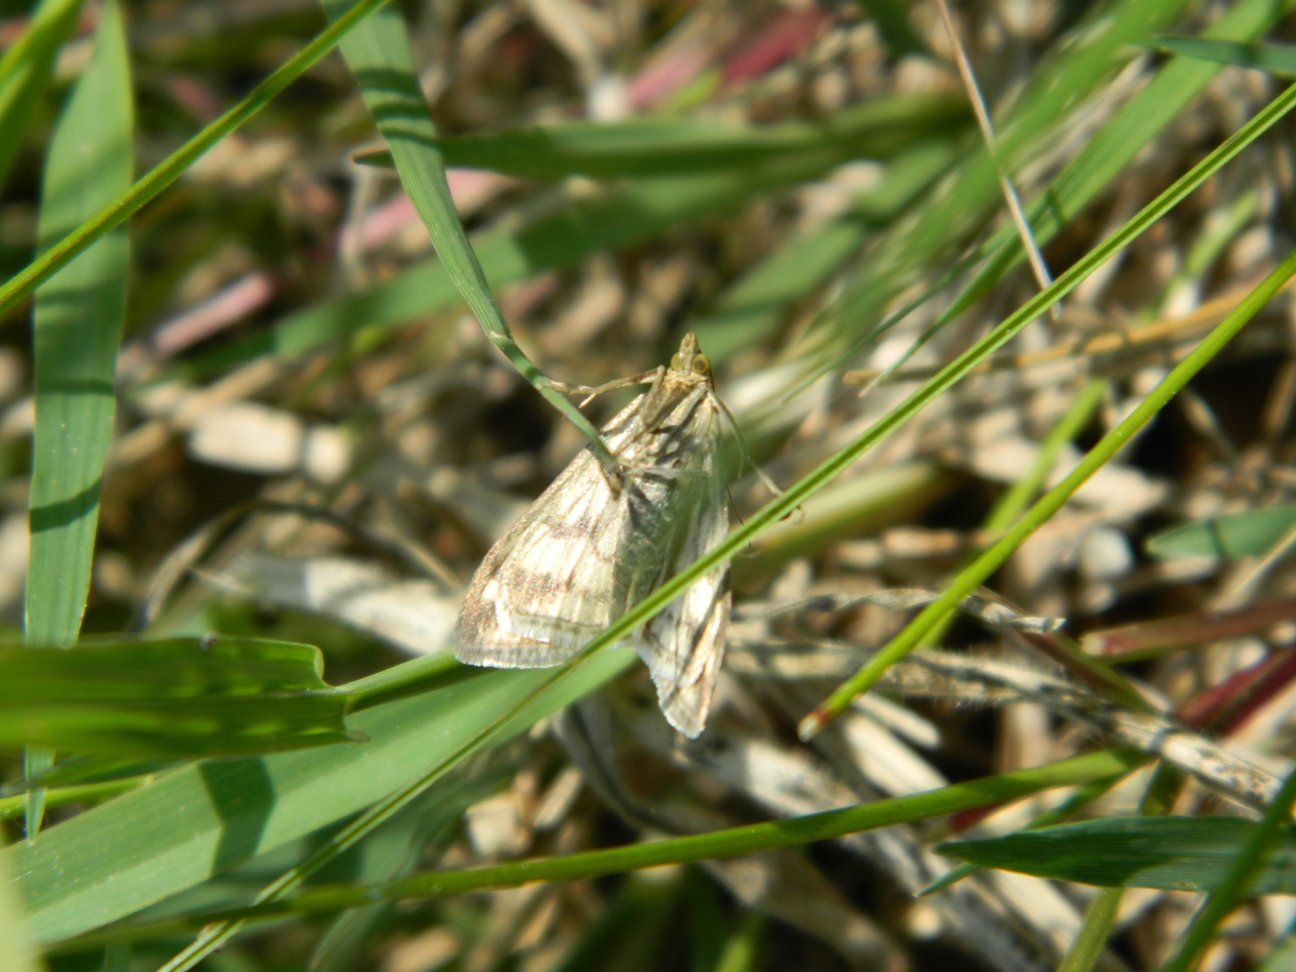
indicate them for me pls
(25, 71)
(378, 53)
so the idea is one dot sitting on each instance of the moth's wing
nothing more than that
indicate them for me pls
(547, 586)
(684, 644)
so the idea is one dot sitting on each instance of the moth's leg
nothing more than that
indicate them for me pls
(592, 392)
(609, 465)
(746, 452)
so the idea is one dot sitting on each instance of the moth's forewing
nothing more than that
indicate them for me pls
(550, 584)
(544, 589)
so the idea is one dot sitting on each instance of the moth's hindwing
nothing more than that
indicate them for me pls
(684, 644)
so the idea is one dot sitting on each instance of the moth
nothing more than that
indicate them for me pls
(592, 546)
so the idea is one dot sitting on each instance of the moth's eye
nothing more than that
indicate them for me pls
(701, 364)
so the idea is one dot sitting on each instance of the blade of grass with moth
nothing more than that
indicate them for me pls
(588, 549)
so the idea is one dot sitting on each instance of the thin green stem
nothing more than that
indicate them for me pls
(1049, 504)
(718, 844)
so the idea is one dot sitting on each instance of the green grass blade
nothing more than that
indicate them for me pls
(77, 324)
(169, 698)
(1248, 533)
(797, 831)
(1270, 58)
(204, 818)
(1100, 919)
(653, 146)
(1168, 853)
(16, 950)
(422, 829)
(1267, 853)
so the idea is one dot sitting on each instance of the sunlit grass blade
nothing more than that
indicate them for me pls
(170, 698)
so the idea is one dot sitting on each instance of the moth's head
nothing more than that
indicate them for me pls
(690, 360)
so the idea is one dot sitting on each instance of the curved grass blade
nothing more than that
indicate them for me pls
(378, 53)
